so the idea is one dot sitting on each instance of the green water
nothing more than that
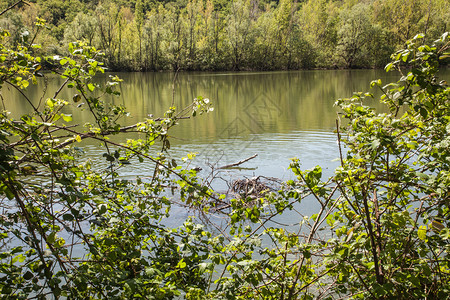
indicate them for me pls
(277, 115)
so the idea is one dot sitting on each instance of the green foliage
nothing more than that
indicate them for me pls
(73, 230)
(233, 35)
(382, 228)
(73, 227)
(355, 35)
(394, 183)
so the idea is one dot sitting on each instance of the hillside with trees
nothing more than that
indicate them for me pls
(144, 35)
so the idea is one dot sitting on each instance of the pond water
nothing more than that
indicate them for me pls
(276, 115)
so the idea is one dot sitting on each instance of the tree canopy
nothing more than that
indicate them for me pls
(231, 35)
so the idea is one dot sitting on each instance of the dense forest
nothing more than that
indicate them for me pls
(141, 35)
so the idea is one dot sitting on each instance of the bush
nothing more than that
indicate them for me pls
(72, 227)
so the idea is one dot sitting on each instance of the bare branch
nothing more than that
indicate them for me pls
(237, 163)
(12, 6)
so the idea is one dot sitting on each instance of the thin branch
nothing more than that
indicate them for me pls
(26, 98)
(378, 268)
(339, 142)
(60, 88)
(237, 163)
(3, 101)
(14, 5)
(31, 228)
(315, 279)
(362, 281)
(313, 231)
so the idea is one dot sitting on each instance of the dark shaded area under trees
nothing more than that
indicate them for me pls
(143, 35)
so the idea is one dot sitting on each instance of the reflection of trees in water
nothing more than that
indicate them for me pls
(261, 102)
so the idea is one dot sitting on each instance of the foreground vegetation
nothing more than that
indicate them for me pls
(72, 227)
(230, 35)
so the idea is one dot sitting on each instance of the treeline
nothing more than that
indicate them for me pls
(146, 35)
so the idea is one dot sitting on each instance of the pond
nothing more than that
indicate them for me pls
(276, 115)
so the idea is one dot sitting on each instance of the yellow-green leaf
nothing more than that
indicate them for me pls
(50, 102)
(66, 118)
(24, 83)
(181, 264)
(91, 87)
(422, 232)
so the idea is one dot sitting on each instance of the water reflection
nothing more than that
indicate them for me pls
(277, 115)
(247, 103)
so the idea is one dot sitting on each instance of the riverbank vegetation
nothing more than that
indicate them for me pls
(72, 226)
(143, 35)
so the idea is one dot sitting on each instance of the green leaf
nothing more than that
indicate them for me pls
(91, 87)
(6, 290)
(181, 264)
(68, 217)
(109, 157)
(423, 112)
(28, 275)
(36, 137)
(124, 161)
(51, 237)
(102, 208)
(389, 66)
(422, 232)
(202, 267)
(445, 233)
(6, 191)
(66, 118)
(24, 83)
(50, 102)
(422, 176)
(76, 98)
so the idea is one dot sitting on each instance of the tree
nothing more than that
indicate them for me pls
(437, 19)
(283, 18)
(300, 53)
(14, 24)
(153, 36)
(403, 18)
(393, 224)
(219, 47)
(175, 36)
(73, 207)
(192, 19)
(318, 21)
(82, 28)
(139, 19)
(239, 30)
(107, 22)
(354, 34)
